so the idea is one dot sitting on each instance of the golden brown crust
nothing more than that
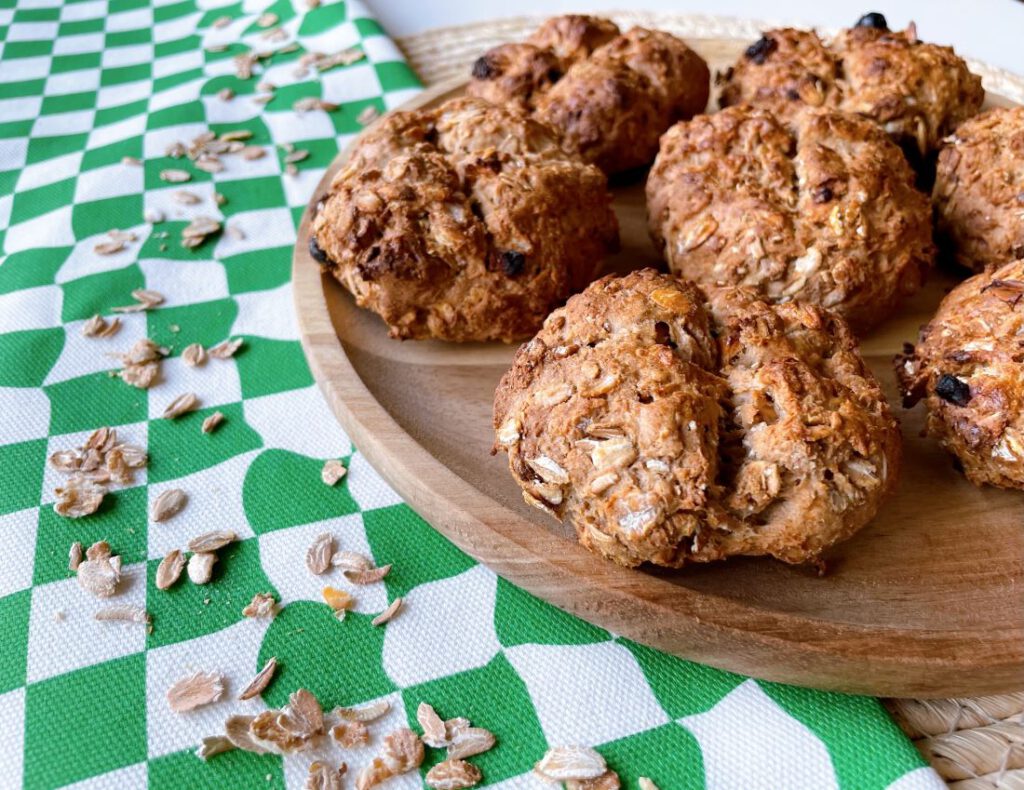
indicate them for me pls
(824, 211)
(968, 368)
(674, 425)
(465, 222)
(609, 95)
(979, 189)
(917, 92)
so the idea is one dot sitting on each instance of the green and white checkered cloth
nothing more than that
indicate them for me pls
(84, 84)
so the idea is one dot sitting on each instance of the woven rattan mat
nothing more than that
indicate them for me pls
(975, 744)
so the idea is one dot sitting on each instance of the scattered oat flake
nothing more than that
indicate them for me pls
(236, 232)
(468, 741)
(402, 752)
(236, 134)
(564, 763)
(144, 350)
(236, 730)
(168, 504)
(368, 115)
(351, 560)
(134, 161)
(333, 471)
(169, 570)
(175, 176)
(186, 197)
(209, 164)
(134, 456)
(99, 577)
(291, 170)
(261, 605)
(261, 681)
(196, 232)
(100, 550)
(324, 777)
(195, 690)
(101, 439)
(646, 784)
(388, 614)
(181, 405)
(66, 461)
(78, 497)
(222, 21)
(366, 713)
(212, 745)
(313, 103)
(74, 556)
(434, 732)
(194, 355)
(219, 198)
(303, 715)
(148, 297)
(140, 375)
(318, 555)
(350, 734)
(108, 247)
(153, 216)
(211, 541)
(225, 94)
(124, 614)
(369, 576)
(210, 423)
(251, 152)
(296, 156)
(200, 567)
(453, 774)
(94, 326)
(225, 349)
(138, 307)
(267, 20)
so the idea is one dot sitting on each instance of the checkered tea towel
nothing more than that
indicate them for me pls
(139, 116)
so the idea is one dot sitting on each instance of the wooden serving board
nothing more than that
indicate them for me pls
(927, 601)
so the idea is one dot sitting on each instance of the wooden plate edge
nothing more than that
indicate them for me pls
(709, 629)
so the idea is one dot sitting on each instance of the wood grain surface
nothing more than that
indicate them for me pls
(926, 601)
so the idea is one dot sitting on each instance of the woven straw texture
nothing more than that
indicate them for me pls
(974, 744)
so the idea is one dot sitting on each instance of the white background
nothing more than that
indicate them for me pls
(989, 30)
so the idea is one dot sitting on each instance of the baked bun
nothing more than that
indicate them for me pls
(968, 368)
(609, 95)
(464, 222)
(671, 424)
(918, 92)
(823, 210)
(979, 189)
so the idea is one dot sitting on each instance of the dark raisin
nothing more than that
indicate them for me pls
(822, 194)
(554, 74)
(512, 262)
(761, 49)
(483, 69)
(316, 251)
(952, 389)
(792, 94)
(1018, 251)
(873, 19)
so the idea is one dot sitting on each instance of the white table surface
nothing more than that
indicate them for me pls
(989, 30)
